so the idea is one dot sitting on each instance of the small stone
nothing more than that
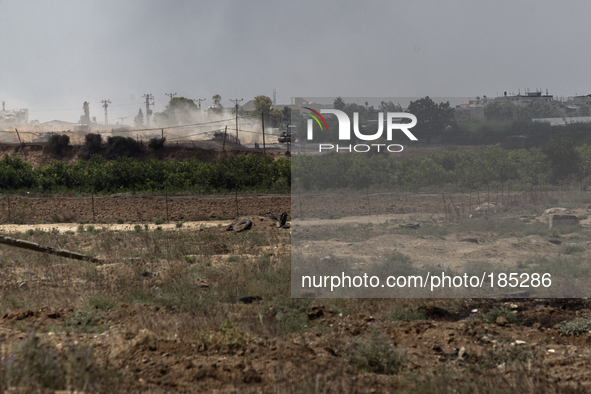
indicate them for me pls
(518, 342)
(462, 353)
(502, 367)
(501, 321)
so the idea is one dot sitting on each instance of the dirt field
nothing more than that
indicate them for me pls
(137, 209)
(163, 311)
(191, 307)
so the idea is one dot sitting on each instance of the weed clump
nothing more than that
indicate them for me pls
(35, 364)
(575, 327)
(573, 249)
(494, 313)
(376, 354)
(406, 314)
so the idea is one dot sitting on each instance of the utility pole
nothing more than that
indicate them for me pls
(105, 105)
(171, 95)
(121, 119)
(149, 101)
(264, 146)
(236, 101)
(200, 101)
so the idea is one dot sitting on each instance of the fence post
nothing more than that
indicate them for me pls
(166, 207)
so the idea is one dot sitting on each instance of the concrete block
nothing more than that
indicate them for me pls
(563, 220)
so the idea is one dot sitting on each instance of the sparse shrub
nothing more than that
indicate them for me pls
(120, 221)
(137, 228)
(122, 146)
(103, 303)
(157, 143)
(159, 221)
(376, 354)
(80, 228)
(405, 314)
(36, 365)
(492, 315)
(59, 143)
(233, 259)
(179, 225)
(92, 145)
(207, 263)
(91, 229)
(509, 355)
(229, 336)
(290, 313)
(575, 327)
(573, 249)
(396, 264)
(190, 259)
(85, 320)
(159, 228)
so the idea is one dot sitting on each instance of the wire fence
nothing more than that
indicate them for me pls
(138, 209)
(450, 205)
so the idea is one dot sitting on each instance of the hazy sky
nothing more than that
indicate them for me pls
(57, 54)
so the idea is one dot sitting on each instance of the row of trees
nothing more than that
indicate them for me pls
(506, 123)
(181, 110)
(236, 173)
(556, 162)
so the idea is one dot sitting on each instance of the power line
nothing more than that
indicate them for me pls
(171, 95)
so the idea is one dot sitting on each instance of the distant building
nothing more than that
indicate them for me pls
(475, 108)
(564, 120)
(15, 116)
(528, 97)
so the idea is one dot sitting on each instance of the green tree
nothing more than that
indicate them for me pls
(217, 103)
(339, 103)
(536, 109)
(180, 110)
(287, 115)
(264, 105)
(390, 107)
(432, 118)
(500, 110)
(565, 161)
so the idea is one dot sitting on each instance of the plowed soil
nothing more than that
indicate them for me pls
(139, 209)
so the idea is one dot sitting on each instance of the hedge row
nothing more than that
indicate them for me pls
(237, 173)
